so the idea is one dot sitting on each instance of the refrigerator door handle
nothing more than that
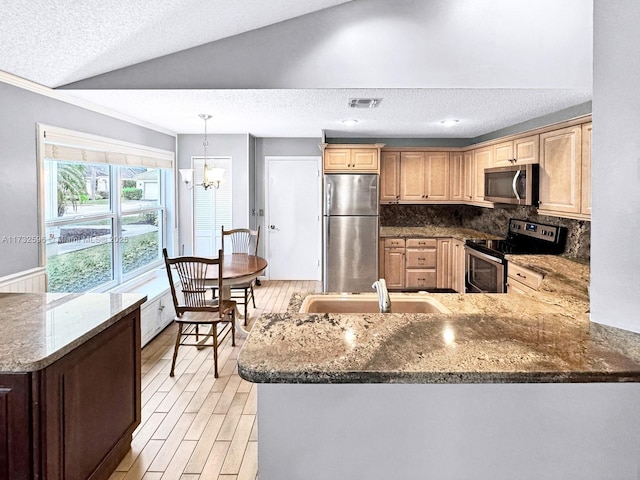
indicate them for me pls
(328, 193)
(373, 191)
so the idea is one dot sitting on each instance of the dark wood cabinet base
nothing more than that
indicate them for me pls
(74, 419)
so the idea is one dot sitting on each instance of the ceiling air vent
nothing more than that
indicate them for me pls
(364, 102)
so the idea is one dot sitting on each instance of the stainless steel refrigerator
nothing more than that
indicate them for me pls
(350, 232)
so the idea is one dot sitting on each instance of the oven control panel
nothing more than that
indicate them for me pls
(541, 231)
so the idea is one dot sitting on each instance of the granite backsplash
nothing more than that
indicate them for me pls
(489, 220)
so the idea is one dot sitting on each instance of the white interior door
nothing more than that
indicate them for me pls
(292, 218)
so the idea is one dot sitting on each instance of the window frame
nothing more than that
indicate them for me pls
(166, 177)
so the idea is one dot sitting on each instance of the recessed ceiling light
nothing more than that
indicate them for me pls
(449, 123)
(349, 122)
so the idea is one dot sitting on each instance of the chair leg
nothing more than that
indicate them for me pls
(175, 350)
(253, 298)
(214, 332)
(246, 306)
(233, 326)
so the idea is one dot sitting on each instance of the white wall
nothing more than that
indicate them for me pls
(615, 242)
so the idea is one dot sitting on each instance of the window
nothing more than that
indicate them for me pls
(211, 207)
(104, 210)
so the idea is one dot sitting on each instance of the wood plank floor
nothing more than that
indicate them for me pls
(196, 427)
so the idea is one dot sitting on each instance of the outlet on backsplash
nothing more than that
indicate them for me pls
(489, 220)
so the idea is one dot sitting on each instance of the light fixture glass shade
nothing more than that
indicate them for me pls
(186, 174)
(212, 176)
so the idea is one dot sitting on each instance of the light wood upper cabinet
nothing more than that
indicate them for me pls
(456, 174)
(337, 159)
(561, 171)
(467, 158)
(585, 207)
(424, 176)
(365, 159)
(482, 158)
(390, 177)
(521, 151)
(348, 159)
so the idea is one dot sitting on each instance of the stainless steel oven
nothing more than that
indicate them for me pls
(486, 273)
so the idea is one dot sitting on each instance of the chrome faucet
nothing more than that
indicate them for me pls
(383, 295)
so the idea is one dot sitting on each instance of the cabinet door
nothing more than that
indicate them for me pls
(456, 176)
(457, 266)
(421, 279)
(394, 267)
(527, 149)
(444, 263)
(364, 159)
(15, 426)
(337, 159)
(561, 170)
(412, 177)
(503, 154)
(482, 158)
(437, 176)
(467, 160)
(585, 204)
(390, 177)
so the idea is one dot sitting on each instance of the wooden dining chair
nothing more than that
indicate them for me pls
(196, 309)
(243, 240)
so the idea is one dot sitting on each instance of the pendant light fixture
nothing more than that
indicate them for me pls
(211, 176)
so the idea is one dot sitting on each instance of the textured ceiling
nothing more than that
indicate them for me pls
(288, 67)
(304, 113)
(58, 42)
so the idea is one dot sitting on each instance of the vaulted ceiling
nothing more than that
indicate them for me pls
(288, 68)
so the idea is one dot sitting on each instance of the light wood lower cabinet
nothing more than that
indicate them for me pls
(423, 263)
(521, 279)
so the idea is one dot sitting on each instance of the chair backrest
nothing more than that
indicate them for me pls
(243, 240)
(195, 275)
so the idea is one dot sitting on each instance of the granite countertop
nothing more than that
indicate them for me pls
(544, 336)
(39, 328)
(432, 231)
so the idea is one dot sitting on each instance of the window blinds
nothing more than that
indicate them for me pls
(67, 145)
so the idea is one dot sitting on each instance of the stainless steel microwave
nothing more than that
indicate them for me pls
(515, 184)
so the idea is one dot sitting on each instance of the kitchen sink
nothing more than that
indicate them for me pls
(368, 303)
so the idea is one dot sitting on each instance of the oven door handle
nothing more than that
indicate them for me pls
(484, 256)
(513, 184)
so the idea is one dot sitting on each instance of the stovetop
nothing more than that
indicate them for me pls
(525, 237)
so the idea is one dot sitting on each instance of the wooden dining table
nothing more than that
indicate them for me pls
(237, 268)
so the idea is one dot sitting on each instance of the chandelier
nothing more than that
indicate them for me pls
(211, 176)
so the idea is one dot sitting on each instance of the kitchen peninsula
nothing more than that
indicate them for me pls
(506, 386)
(69, 383)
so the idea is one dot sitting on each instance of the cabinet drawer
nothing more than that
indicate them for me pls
(421, 243)
(393, 242)
(523, 275)
(426, 258)
(421, 278)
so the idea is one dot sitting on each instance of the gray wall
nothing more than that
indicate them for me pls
(274, 147)
(615, 258)
(235, 146)
(21, 111)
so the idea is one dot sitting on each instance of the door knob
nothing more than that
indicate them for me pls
(272, 227)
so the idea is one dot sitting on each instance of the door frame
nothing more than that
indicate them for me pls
(267, 161)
